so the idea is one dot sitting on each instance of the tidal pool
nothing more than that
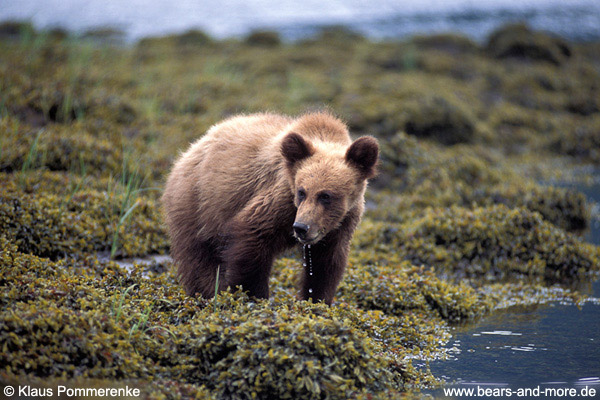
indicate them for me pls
(546, 350)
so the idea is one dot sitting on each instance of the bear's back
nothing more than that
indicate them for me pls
(323, 127)
(233, 161)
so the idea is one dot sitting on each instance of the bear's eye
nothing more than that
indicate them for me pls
(324, 198)
(301, 195)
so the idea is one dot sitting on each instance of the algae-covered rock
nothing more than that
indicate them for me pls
(416, 103)
(565, 208)
(234, 347)
(105, 35)
(430, 176)
(398, 287)
(521, 42)
(95, 347)
(193, 37)
(42, 227)
(284, 352)
(16, 29)
(58, 149)
(492, 242)
(495, 242)
(583, 103)
(47, 223)
(450, 43)
(337, 35)
(582, 142)
(439, 119)
(263, 38)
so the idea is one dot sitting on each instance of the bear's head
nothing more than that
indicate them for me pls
(328, 179)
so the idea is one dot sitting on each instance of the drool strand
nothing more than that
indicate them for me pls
(307, 262)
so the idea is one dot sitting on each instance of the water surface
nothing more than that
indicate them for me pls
(574, 19)
(554, 345)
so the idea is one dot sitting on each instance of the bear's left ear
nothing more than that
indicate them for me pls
(363, 154)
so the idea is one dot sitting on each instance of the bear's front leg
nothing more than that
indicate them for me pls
(326, 261)
(248, 264)
(258, 234)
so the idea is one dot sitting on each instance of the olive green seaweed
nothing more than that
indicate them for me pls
(457, 223)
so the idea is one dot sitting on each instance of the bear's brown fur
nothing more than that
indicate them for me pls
(254, 186)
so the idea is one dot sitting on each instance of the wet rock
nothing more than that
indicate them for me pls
(449, 43)
(16, 29)
(263, 39)
(438, 119)
(518, 41)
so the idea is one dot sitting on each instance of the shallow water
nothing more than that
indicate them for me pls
(129, 263)
(553, 346)
(546, 345)
(574, 19)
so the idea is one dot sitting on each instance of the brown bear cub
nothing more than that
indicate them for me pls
(254, 186)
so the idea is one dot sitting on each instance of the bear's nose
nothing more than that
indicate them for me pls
(300, 229)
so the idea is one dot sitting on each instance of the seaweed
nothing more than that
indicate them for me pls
(457, 223)
(496, 241)
(519, 41)
(58, 324)
(437, 118)
(40, 220)
(263, 38)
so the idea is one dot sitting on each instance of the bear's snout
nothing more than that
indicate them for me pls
(306, 233)
(300, 230)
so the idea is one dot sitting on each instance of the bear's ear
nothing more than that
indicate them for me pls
(295, 148)
(363, 154)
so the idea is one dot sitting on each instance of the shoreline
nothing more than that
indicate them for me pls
(575, 22)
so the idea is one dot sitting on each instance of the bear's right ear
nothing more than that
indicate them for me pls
(295, 148)
(363, 154)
